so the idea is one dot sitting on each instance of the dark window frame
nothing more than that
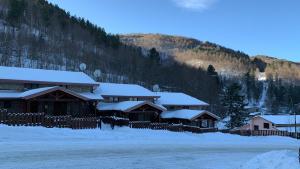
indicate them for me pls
(256, 127)
(266, 125)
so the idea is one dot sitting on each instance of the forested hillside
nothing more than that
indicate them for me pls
(226, 61)
(194, 52)
(34, 33)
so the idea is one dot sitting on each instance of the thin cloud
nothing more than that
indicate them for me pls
(195, 4)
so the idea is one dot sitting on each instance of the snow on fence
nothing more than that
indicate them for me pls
(40, 119)
(263, 133)
(169, 127)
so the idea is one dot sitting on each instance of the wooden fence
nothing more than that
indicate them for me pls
(263, 133)
(169, 127)
(40, 119)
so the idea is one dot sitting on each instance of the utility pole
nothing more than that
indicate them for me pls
(294, 113)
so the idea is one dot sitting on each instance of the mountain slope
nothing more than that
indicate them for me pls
(277, 68)
(193, 52)
(201, 54)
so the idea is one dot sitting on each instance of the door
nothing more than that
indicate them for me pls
(60, 109)
(34, 107)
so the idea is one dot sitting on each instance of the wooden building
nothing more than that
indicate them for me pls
(57, 93)
(128, 101)
(198, 118)
(273, 122)
(185, 109)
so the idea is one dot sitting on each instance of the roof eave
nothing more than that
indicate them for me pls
(47, 82)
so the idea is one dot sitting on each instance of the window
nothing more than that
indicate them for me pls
(133, 99)
(266, 125)
(204, 123)
(256, 127)
(31, 86)
(116, 99)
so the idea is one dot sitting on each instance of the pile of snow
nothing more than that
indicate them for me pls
(222, 123)
(274, 160)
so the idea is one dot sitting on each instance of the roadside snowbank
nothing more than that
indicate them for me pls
(274, 160)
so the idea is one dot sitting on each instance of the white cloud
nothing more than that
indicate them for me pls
(195, 4)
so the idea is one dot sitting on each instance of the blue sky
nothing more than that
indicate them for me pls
(269, 27)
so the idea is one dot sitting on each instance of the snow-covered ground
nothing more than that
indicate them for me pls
(36, 147)
(274, 160)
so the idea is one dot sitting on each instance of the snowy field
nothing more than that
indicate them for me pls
(124, 148)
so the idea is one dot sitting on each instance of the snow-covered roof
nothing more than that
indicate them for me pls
(180, 99)
(91, 96)
(186, 114)
(282, 119)
(125, 90)
(126, 106)
(254, 113)
(16, 74)
(11, 94)
(36, 91)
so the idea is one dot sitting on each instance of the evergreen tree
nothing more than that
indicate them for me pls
(154, 56)
(211, 70)
(214, 87)
(16, 10)
(233, 103)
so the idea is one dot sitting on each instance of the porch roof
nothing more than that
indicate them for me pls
(186, 114)
(127, 106)
(178, 99)
(11, 94)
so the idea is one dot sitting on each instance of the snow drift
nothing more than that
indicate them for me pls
(274, 160)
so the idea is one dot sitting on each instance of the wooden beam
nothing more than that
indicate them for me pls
(59, 100)
(28, 107)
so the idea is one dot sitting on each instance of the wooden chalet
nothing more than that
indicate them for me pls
(57, 93)
(128, 101)
(198, 118)
(185, 109)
